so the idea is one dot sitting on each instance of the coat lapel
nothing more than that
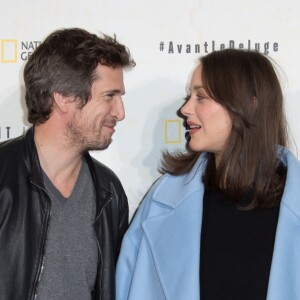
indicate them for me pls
(284, 282)
(174, 235)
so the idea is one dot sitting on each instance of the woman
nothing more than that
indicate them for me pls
(224, 221)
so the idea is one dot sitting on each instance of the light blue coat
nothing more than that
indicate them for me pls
(160, 252)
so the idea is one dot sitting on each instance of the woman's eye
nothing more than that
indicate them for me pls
(200, 97)
(187, 98)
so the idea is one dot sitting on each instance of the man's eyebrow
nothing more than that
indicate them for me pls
(114, 91)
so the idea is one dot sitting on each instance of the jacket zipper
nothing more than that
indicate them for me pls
(42, 259)
(99, 248)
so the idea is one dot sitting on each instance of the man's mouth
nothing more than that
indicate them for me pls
(110, 124)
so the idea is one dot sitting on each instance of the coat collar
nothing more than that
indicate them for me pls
(290, 197)
(284, 275)
(175, 189)
(31, 159)
(177, 212)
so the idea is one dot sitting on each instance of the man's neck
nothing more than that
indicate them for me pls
(60, 163)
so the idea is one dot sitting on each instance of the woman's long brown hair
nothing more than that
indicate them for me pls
(246, 85)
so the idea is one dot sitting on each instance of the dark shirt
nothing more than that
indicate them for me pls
(236, 249)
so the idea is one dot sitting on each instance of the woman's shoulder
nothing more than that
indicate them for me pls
(291, 194)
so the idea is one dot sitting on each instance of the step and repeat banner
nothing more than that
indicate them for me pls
(166, 38)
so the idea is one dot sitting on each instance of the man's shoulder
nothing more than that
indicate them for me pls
(106, 177)
(11, 161)
(11, 148)
(103, 170)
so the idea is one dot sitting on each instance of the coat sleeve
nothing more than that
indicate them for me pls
(130, 249)
(125, 268)
(123, 219)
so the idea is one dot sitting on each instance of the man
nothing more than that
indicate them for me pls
(62, 213)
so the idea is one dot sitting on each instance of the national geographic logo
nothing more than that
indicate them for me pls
(13, 50)
(172, 47)
(173, 131)
(9, 51)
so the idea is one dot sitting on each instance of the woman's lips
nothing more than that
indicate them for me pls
(193, 128)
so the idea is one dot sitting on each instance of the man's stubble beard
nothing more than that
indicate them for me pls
(82, 141)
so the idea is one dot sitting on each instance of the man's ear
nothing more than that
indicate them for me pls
(61, 101)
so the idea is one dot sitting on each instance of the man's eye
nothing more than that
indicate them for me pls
(109, 96)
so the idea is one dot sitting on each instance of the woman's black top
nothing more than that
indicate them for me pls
(236, 249)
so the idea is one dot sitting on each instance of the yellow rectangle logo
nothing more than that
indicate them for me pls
(9, 51)
(173, 131)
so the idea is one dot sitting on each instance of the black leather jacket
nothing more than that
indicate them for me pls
(24, 219)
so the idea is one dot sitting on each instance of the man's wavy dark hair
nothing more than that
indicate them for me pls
(65, 63)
